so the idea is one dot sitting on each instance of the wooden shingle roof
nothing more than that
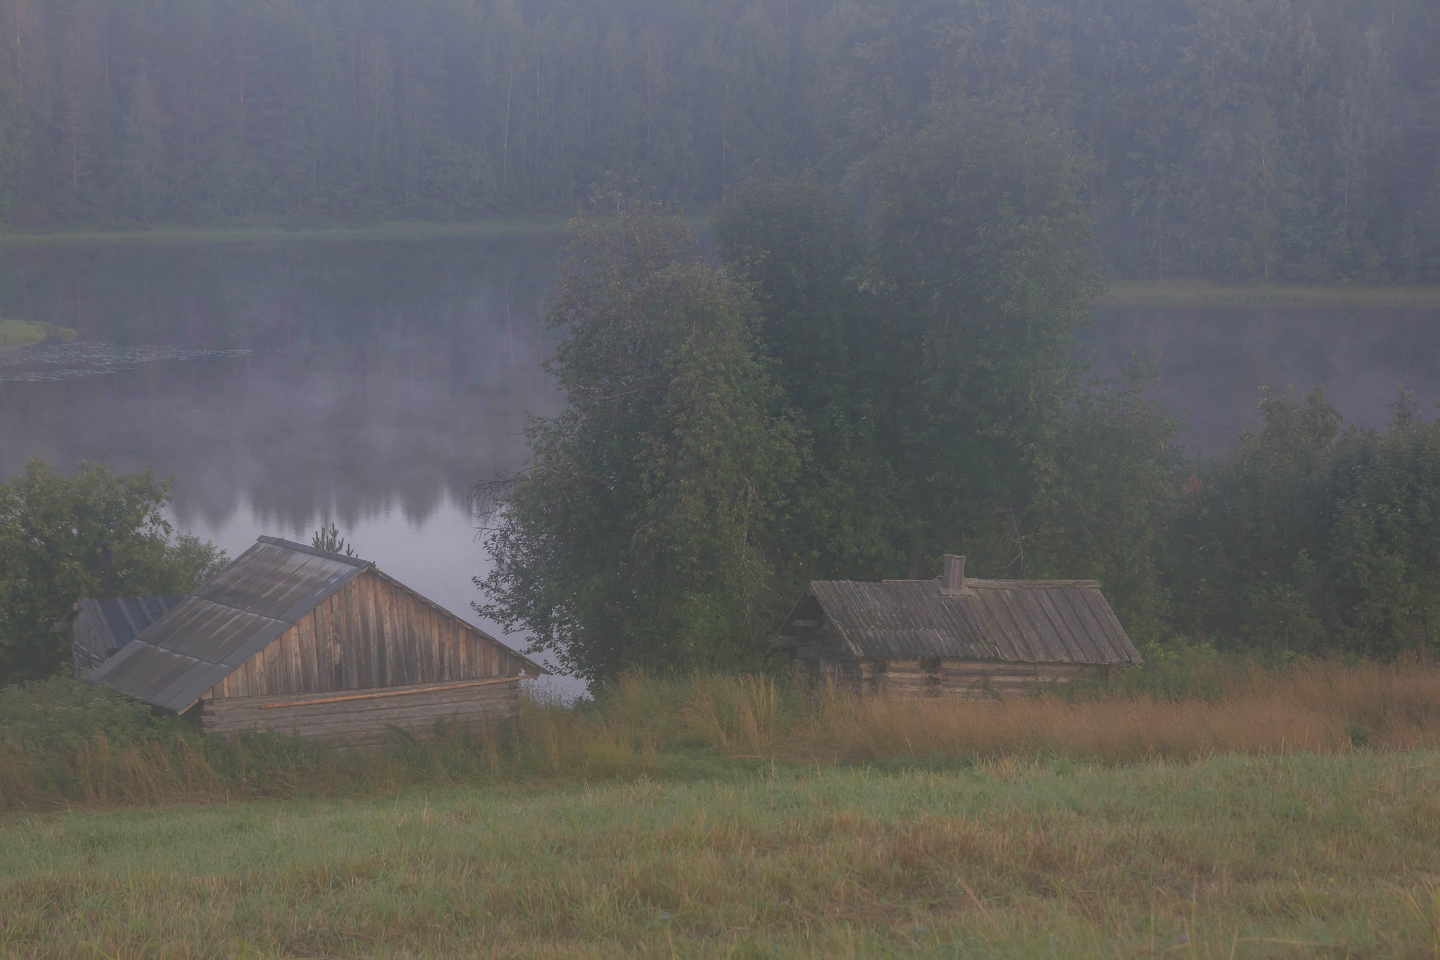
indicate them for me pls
(1031, 621)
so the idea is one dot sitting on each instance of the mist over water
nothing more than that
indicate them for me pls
(287, 386)
(369, 383)
(1215, 360)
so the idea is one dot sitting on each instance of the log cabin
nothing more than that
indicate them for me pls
(305, 641)
(953, 635)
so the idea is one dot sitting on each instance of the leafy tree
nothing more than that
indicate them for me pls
(1311, 538)
(645, 526)
(922, 331)
(51, 528)
(983, 249)
(825, 330)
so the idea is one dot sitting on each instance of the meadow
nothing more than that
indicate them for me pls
(1221, 810)
(1277, 855)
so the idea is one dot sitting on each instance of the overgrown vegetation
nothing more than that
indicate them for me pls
(64, 741)
(51, 529)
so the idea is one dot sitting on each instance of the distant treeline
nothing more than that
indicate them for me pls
(1233, 138)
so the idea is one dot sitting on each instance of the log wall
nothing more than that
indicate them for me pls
(365, 719)
(940, 678)
(370, 633)
(973, 678)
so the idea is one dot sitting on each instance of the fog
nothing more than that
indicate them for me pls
(369, 383)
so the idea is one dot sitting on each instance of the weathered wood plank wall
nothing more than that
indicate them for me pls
(972, 678)
(899, 677)
(364, 719)
(370, 633)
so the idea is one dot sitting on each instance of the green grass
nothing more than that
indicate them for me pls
(1203, 293)
(1285, 855)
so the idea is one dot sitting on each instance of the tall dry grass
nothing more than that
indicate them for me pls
(64, 744)
(1318, 707)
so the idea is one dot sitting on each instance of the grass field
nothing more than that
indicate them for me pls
(1284, 855)
(1195, 808)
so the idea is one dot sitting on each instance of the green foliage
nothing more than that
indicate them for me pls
(1312, 538)
(881, 391)
(51, 527)
(644, 528)
(922, 328)
(49, 717)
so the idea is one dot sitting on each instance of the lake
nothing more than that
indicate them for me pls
(368, 383)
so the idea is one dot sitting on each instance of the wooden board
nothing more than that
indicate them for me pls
(365, 720)
(369, 634)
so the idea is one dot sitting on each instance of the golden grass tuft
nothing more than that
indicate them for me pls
(1321, 707)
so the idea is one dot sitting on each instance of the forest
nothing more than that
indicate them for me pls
(1236, 139)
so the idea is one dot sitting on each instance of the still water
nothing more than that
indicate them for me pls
(369, 383)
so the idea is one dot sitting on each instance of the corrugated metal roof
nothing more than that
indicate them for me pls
(125, 618)
(226, 622)
(1034, 621)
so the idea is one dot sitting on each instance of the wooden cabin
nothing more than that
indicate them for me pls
(98, 628)
(300, 640)
(953, 635)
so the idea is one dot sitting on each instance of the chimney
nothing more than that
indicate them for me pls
(107, 571)
(953, 580)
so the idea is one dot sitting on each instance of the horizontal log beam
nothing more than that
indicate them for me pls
(388, 693)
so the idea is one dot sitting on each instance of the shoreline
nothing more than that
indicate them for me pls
(391, 230)
(1121, 293)
(269, 233)
(1214, 293)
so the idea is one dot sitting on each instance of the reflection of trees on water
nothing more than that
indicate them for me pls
(380, 375)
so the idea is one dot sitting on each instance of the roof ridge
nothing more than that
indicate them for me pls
(313, 551)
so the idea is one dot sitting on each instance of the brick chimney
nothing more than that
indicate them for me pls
(953, 579)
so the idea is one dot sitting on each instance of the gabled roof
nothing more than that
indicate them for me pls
(228, 620)
(1032, 621)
